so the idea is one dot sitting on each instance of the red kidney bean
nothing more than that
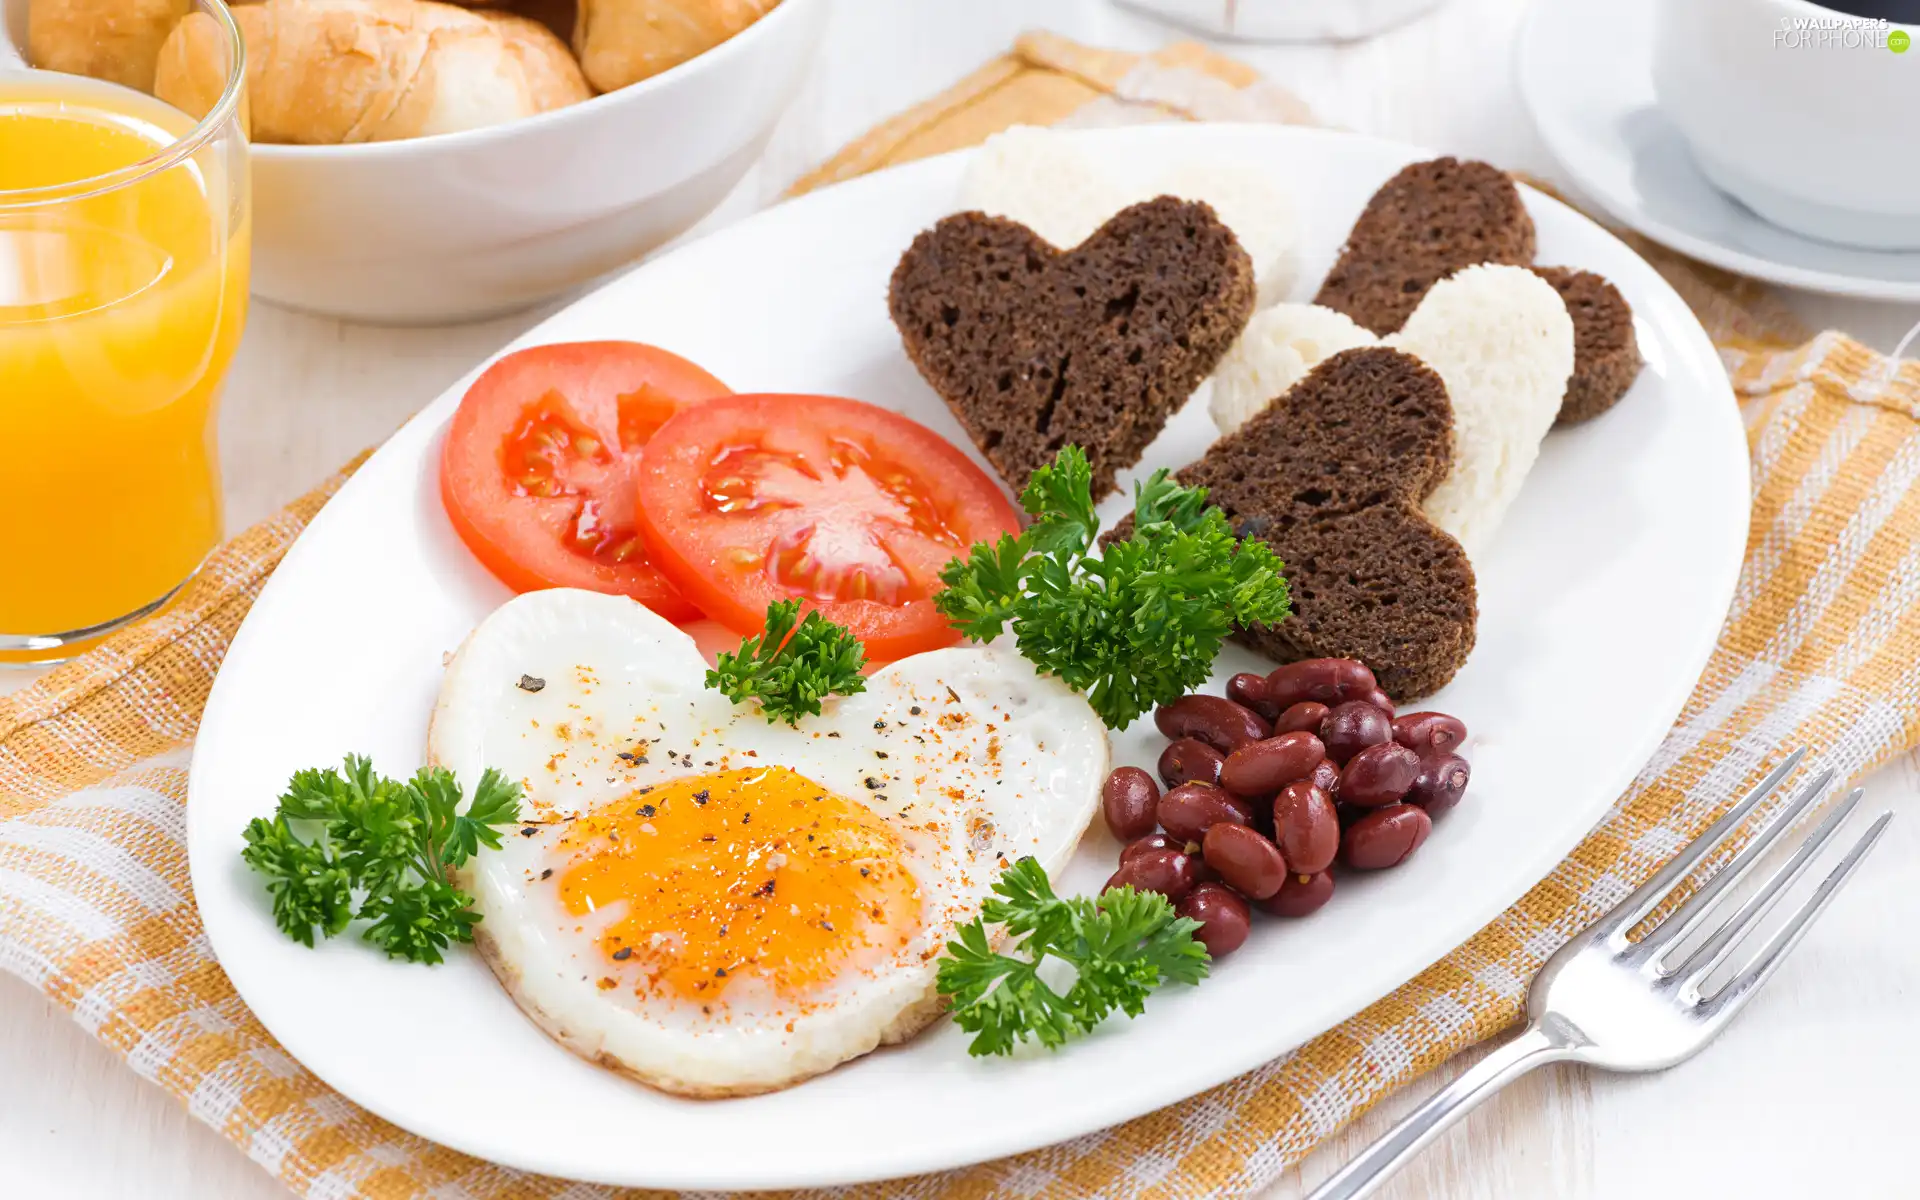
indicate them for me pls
(1189, 759)
(1379, 775)
(1264, 767)
(1148, 844)
(1304, 717)
(1326, 776)
(1127, 800)
(1327, 680)
(1215, 720)
(1224, 918)
(1168, 872)
(1351, 727)
(1427, 733)
(1379, 700)
(1385, 837)
(1300, 895)
(1443, 780)
(1249, 690)
(1251, 864)
(1306, 827)
(1186, 812)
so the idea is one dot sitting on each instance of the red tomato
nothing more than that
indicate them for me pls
(541, 461)
(752, 499)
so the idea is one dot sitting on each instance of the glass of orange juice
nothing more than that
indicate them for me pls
(124, 225)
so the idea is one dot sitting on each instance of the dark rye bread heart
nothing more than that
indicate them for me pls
(1606, 357)
(1428, 221)
(1438, 217)
(1331, 475)
(1034, 347)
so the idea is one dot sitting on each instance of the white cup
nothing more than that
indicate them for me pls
(1804, 114)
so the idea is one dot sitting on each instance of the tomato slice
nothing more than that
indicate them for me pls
(541, 461)
(750, 499)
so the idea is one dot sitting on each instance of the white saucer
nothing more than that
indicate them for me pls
(1584, 70)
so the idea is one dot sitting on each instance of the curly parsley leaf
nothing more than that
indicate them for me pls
(793, 666)
(1121, 948)
(416, 920)
(1059, 498)
(388, 843)
(1134, 627)
(310, 889)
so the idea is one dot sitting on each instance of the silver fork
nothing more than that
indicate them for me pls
(1623, 1006)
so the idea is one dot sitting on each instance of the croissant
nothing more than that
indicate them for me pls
(117, 40)
(624, 41)
(326, 72)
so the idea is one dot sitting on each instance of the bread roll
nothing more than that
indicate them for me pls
(328, 72)
(553, 77)
(192, 69)
(117, 40)
(624, 41)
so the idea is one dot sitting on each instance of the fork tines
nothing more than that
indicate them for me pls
(1663, 951)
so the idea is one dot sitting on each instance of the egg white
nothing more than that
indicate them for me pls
(998, 762)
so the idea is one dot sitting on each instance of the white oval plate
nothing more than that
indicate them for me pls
(1599, 604)
(1585, 71)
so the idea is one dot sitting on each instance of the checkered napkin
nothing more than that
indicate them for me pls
(1821, 648)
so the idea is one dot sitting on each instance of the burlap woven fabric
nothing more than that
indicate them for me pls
(1822, 647)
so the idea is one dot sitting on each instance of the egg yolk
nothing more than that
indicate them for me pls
(757, 873)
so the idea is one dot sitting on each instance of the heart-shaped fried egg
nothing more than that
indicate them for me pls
(719, 906)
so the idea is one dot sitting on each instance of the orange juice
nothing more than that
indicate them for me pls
(119, 313)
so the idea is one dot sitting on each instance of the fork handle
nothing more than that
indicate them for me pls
(1534, 1047)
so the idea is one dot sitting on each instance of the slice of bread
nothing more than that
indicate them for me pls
(1606, 357)
(1280, 345)
(1428, 221)
(1034, 348)
(1499, 337)
(1503, 342)
(1045, 180)
(1332, 475)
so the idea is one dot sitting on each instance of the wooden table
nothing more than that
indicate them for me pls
(1808, 1091)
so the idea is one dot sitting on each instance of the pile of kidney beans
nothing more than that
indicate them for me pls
(1272, 785)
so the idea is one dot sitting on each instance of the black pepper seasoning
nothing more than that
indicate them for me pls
(530, 683)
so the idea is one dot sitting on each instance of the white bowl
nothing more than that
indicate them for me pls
(469, 225)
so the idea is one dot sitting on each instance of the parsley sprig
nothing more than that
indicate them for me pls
(1135, 627)
(1120, 948)
(793, 666)
(388, 843)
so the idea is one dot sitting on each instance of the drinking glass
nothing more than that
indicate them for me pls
(124, 225)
